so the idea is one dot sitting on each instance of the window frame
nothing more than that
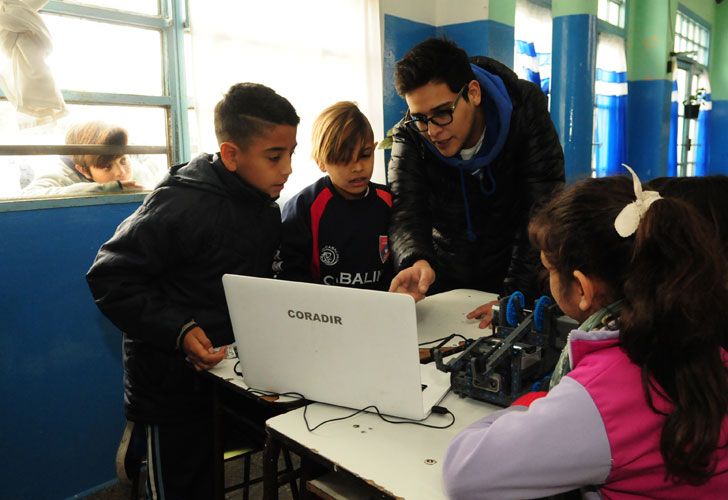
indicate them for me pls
(615, 29)
(171, 23)
(604, 27)
(694, 68)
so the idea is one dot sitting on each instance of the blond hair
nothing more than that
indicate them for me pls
(96, 132)
(338, 132)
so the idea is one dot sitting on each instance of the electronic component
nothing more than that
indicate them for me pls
(516, 359)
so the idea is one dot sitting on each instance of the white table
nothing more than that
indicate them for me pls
(401, 460)
(224, 380)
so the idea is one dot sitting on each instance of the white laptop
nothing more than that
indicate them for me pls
(336, 345)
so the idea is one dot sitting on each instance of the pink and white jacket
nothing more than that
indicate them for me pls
(593, 431)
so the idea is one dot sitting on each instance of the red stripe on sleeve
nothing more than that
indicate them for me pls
(385, 196)
(317, 210)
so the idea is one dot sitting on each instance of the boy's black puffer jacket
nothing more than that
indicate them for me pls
(164, 267)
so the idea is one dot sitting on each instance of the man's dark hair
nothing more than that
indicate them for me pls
(434, 60)
(248, 110)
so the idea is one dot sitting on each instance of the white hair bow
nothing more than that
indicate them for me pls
(629, 218)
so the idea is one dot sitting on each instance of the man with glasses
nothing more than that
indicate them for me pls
(474, 153)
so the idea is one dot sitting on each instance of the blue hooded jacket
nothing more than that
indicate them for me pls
(497, 106)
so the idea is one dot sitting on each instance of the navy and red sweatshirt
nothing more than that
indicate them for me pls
(331, 240)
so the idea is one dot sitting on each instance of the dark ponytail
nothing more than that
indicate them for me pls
(673, 277)
(673, 327)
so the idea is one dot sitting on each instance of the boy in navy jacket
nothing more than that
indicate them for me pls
(335, 231)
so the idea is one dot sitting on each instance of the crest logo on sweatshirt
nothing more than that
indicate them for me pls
(384, 248)
(329, 255)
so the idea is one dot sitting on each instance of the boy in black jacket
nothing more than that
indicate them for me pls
(159, 279)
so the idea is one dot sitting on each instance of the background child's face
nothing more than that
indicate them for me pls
(118, 170)
(265, 163)
(351, 179)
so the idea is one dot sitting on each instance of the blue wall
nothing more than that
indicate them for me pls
(400, 35)
(482, 38)
(60, 367)
(718, 143)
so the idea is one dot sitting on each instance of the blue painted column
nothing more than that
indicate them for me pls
(649, 86)
(718, 154)
(572, 82)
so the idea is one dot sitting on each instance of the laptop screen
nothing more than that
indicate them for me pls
(342, 346)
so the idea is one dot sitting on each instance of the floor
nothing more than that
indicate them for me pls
(233, 473)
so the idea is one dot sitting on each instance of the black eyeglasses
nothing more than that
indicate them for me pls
(441, 117)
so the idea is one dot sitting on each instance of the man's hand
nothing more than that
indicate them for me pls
(199, 350)
(414, 280)
(483, 313)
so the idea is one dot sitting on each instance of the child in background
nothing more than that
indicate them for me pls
(159, 280)
(643, 412)
(81, 174)
(335, 231)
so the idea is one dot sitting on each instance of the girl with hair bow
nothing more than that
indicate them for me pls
(643, 410)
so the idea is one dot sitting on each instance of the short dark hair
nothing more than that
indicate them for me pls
(249, 109)
(434, 60)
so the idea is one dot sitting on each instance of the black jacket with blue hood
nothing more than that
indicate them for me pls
(164, 267)
(469, 219)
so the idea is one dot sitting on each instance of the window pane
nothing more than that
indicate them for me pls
(93, 56)
(602, 9)
(330, 47)
(141, 6)
(614, 13)
(46, 176)
(145, 127)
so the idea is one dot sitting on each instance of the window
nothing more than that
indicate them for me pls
(691, 39)
(612, 11)
(318, 53)
(610, 105)
(688, 136)
(533, 43)
(114, 66)
(157, 68)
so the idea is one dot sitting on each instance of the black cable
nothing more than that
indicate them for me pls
(297, 395)
(443, 338)
(259, 392)
(412, 422)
